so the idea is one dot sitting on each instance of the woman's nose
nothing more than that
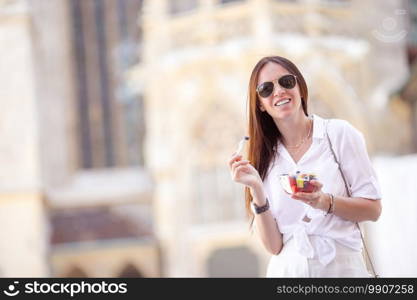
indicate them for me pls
(278, 89)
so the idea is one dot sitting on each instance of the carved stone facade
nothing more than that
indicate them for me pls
(78, 196)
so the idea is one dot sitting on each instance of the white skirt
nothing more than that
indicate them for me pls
(289, 263)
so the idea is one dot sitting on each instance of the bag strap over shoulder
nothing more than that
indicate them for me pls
(349, 192)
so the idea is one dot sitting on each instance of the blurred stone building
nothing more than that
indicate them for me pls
(24, 238)
(76, 199)
(197, 58)
(121, 114)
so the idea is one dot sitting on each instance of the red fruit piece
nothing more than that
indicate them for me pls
(293, 184)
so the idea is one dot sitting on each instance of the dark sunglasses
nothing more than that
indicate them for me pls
(265, 89)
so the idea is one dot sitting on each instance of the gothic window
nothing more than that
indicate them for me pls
(412, 36)
(107, 41)
(214, 201)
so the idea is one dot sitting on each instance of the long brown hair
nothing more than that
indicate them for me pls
(262, 130)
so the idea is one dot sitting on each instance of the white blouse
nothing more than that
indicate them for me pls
(349, 146)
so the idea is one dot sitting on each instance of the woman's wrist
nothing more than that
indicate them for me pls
(330, 210)
(258, 193)
(326, 202)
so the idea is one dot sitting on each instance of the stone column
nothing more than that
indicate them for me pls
(23, 238)
(158, 151)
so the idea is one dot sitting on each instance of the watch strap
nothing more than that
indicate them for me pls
(260, 209)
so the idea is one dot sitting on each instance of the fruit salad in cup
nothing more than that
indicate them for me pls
(298, 182)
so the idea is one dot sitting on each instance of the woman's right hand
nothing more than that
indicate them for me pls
(243, 172)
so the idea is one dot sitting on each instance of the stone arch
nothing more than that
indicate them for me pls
(337, 96)
(129, 271)
(332, 95)
(237, 261)
(215, 112)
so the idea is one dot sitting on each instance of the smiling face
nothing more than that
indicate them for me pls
(282, 103)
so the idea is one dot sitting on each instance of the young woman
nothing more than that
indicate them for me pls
(308, 234)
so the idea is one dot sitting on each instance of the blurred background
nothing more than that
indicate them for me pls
(118, 117)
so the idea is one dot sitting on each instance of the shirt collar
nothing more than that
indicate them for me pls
(318, 127)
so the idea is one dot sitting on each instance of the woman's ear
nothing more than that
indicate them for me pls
(261, 107)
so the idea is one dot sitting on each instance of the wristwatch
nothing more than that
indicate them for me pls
(260, 209)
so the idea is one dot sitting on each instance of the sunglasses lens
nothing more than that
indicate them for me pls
(266, 89)
(287, 81)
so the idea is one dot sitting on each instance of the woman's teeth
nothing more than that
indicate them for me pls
(282, 102)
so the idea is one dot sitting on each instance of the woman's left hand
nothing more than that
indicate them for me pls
(316, 199)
